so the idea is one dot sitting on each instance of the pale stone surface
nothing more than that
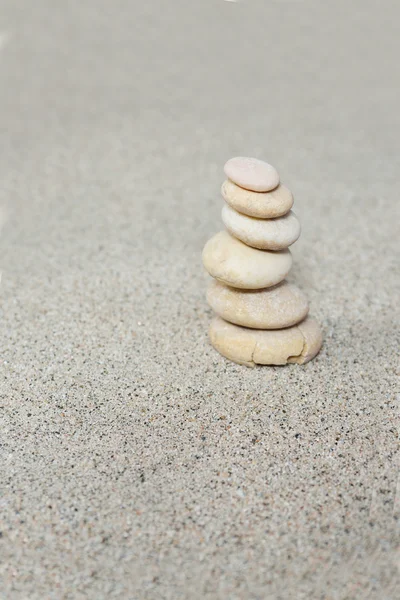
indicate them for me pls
(229, 260)
(265, 234)
(251, 173)
(312, 335)
(249, 347)
(263, 205)
(280, 306)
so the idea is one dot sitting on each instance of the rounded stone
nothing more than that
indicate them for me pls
(267, 205)
(280, 306)
(249, 347)
(251, 174)
(265, 234)
(232, 262)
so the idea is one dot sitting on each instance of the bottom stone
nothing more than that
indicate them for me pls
(251, 347)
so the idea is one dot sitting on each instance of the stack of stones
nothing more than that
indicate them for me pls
(261, 318)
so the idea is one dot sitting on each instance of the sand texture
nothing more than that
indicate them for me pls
(136, 463)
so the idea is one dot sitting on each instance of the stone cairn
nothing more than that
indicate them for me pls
(261, 318)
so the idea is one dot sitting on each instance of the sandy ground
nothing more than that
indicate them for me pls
(136, 463)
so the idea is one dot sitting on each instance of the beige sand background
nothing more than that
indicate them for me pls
(136, 463)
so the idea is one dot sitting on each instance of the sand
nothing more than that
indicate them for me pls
(137, 463)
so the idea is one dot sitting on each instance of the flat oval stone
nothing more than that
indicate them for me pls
(267, 205)
(282, 305)
(232, 262)
(265, 234)
(251, 173)
(249, 347)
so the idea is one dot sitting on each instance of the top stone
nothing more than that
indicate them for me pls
(252, 174)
